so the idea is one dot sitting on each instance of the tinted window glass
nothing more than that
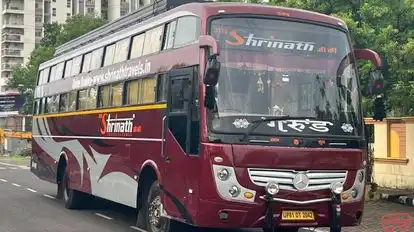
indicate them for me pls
(87, 99)
(188, 31)
(122, 48)
(76, 65)
(52, 74)
(68, 68)
(86, 63)
(169, 35)
(137, 45)
(59, 71)
(132, 92)
(116, 94)
(109, 55)
(162, 88)
(96, 60)
(104, 94)
(147, 90)
(179, 95)
(153, 40)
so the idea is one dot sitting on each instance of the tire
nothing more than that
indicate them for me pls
(282, 230)
(72, 199)
(151, 211)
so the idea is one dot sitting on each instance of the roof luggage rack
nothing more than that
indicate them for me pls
(144, 13)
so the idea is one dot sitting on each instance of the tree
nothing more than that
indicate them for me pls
(23, 77)
(384, 26)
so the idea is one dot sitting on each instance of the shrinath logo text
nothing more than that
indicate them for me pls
(114, 126)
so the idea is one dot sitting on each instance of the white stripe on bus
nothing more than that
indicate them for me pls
(96, 137)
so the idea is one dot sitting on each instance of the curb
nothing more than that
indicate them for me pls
(399, 198)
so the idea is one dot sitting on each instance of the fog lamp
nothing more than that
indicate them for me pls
(337, 188)
(234, 191)
(272, 188)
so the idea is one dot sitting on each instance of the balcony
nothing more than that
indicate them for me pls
(8, 52)
(11, 38)
(90, 3)
(13, 9)
(13, 24)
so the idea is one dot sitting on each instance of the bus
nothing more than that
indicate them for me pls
(215, 115)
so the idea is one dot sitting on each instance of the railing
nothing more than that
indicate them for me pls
(8, 7)
(11, 37)
(11, 52)
(90, 2)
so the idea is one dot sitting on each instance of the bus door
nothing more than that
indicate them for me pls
(180, 150)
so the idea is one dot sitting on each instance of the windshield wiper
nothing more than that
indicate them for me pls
(257, 123)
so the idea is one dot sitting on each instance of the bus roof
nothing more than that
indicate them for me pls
(195, 6)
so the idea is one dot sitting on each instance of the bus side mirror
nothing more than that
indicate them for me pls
(211, 74)
(376, 80)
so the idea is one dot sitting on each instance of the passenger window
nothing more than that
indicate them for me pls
(116, 94)
(109, 55)
(188, 31)
(59, 70)
(87, 99)
(147, 90)
(169, 35)
(122, 48)
(132, 89)
(68, 68)
(63, 102)
(96, 60)
(52, 74)
(179, 95)
(153, 40)
(76, 65)
(162, 87)
(44, 107)
(40, 78)
(45, 76)
(86, 62)
(36, 107)
(104, 94)
(137, 46)
(52, 104)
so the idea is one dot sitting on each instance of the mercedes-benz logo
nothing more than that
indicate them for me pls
(301, 181)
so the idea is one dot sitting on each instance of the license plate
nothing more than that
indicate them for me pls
(293, 215)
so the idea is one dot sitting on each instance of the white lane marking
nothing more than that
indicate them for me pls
(14, 168)
(3, 180)
(17, 185)
(14, 165)
(1, 168)
(306, 229)
(48, 196)
(31, 190)
(136, 228)
(103, 216)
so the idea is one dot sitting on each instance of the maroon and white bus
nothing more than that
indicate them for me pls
(219, 115)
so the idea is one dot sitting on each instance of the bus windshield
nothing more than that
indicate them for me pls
(273, 67)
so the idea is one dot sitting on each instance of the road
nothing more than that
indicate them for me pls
(28, 204)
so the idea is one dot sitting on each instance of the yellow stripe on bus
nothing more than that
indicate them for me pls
(98, 111)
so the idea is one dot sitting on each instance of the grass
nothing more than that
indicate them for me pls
(15, 159)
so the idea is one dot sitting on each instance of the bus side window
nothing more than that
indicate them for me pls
(178, 110)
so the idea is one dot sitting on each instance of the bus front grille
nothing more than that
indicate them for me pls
(318, 179)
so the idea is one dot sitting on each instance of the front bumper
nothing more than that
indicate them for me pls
(242, 215)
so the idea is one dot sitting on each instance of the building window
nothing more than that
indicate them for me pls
(68, 3)
(153, 40)
(54, 0)
(54, 12)
(90, 10)
(68, 16)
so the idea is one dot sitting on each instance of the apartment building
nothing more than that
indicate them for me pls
(22, 24)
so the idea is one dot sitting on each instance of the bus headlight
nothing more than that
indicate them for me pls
(228, 188)
(356, 192)
(337, 188)
(223, 174)
(272, 188)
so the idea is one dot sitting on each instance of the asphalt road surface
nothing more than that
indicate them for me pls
(28, 204)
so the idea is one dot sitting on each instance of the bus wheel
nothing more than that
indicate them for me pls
(156, 223)
(71, 198)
